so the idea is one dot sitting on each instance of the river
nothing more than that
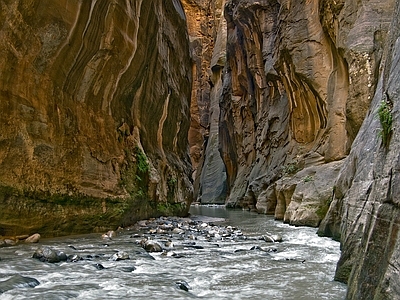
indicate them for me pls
(300, 267)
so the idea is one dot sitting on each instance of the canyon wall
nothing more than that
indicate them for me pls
(297, 84)
(95, 113)
(307, 126)
(364, 213)
(207, 32)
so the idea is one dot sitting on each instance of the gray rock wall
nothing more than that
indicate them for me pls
(298, 83)
(365, 210)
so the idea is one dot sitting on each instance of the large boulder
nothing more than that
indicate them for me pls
(302, 198)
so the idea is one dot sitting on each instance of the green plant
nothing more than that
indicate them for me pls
(141, 161)
(291, 168)
(140, 193)
(167, 208)
(308, 178)
(135, 175)
(171, 185)
(386, 120)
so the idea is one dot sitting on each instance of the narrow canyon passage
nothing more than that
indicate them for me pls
(113, 112)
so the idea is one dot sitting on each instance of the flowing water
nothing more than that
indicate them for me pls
(302, 266)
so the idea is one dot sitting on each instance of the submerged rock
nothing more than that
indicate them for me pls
(99, 266)
(128, 269)
(74, 258)
(17, 281)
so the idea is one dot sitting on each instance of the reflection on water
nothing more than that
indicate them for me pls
(301, 268)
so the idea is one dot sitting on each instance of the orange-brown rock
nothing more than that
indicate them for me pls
(309, 90)
(297, 85)
(94, 119)
(206, 26)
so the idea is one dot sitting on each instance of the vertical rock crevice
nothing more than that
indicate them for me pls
(206, 26)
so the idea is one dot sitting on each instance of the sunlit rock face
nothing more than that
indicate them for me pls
(95, 106)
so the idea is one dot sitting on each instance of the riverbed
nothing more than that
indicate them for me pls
(302, 266)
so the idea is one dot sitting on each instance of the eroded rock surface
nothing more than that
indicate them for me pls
(364, 214)
(298, 89)
(297, 84)
(207, 31)
(94, 101)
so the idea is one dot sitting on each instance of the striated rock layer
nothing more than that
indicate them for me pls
(298, 82)
(207, 32)
(364, 213)
(94, 119)
(308, 122)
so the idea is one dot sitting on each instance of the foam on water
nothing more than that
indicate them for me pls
(230, 271)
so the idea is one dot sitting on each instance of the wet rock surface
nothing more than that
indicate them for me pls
(17, 281)
(171, 237)
(212, 255)
(47, 254)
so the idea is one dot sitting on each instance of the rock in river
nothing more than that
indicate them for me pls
(121, 255)
(17, 281)
(183, 285)
(47, 254)
(151, 246)
(33, 238)
(272, 238)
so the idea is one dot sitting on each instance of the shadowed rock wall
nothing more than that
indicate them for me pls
(298, 81)
(364, 213)
(305, 88)
(94, 119)
(207, 31)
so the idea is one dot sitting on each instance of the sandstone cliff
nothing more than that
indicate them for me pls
(207, 31)
(94, 104)
(364, 213)
(308, 118)
(298, 81)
